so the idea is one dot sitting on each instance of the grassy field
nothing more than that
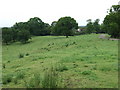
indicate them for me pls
(80, 61)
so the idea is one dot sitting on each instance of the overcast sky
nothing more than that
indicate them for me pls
(12, 11)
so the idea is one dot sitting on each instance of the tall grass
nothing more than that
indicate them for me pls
(49, 80)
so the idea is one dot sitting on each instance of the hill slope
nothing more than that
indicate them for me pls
(88, 62)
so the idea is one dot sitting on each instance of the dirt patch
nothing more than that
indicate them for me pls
(104, 36)
(113, 39)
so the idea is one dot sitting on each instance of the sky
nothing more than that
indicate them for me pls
(12, 11)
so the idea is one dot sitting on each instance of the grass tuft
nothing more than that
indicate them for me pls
(21, 55)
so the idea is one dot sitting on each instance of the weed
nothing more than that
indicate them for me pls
(61, 67)
(94, 68)
(105, 69)
(15, 80)
(3, 65)
(75, 65)
(66, 45)
(21, 55)
(27, 54)
(7, 78)
(86, 72)
(34, 59)
(34, 82)
(85, 65)
(8, 61)
(50, 79)
(19, 75)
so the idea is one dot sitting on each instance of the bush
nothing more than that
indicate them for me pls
(23, 36)
(7, 35)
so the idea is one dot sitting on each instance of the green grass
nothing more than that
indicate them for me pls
(82, 61)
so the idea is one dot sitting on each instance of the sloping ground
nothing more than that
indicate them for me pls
(87, 61)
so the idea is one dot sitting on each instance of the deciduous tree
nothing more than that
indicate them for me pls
(66, 26)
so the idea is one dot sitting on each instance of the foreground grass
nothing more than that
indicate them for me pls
(81, 61)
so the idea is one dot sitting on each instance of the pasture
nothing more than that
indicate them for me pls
(84, 61)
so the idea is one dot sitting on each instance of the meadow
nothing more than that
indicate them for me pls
(84, 61)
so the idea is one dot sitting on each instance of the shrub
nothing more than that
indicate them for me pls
(23, 36)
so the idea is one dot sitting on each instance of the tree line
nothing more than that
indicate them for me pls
(23, 31)
(110, 25)
(67, 26)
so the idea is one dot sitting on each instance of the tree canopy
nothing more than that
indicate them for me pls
(65, 26)
(112, 21)
(7, 35)
(24, 36)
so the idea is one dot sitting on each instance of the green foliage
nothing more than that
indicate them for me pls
(112, 22)
(7, 35)
(89, 26)
(66, 26)
(96, 26)
(38, 27)
(52, 28)
(24, 36)
(93, 27)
